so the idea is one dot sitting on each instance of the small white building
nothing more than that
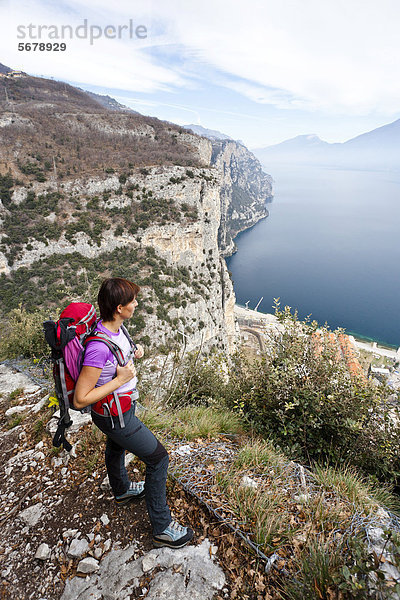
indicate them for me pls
(379, 371)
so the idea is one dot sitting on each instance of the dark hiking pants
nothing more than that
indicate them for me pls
(136, 438)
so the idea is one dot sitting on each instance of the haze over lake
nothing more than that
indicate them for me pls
(330, 247)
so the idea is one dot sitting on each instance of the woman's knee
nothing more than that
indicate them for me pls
(159, 455)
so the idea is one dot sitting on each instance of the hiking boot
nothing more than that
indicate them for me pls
(135, 491)
(173, 536)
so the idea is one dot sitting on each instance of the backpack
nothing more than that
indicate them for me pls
(67, 339)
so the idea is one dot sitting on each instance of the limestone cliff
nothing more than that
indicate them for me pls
(87, 192)
(201, 307)
(245, 190)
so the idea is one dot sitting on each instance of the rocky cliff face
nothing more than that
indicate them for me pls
(166, 226)
(204, 309)
(245, 190)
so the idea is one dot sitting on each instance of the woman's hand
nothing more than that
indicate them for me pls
(139, 351)
(126, 373)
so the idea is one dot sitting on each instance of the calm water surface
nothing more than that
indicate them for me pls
(330, 248)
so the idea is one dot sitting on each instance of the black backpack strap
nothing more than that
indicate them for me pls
(59, 333)
(59, 438)
(126, 333)
(61, 392)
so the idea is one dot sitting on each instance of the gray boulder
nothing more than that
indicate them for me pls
(88, 565)
(189, 572)
(78, 548)
(32, 515)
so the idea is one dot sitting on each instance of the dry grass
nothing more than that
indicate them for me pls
(364, 493)
(193, 421)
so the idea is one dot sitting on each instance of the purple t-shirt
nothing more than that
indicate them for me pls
(98, 355)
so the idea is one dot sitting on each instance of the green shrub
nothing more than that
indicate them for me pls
(145, 340)
(30, 168)
(347, 571)
(6, 184)
(301, 393)
(201, 382)
(23, 334)
(138, 322)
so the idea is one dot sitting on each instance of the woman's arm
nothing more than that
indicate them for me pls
(85, 391)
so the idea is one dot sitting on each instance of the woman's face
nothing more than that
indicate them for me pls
(127, 310)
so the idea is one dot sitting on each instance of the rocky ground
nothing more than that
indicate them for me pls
(64, 538)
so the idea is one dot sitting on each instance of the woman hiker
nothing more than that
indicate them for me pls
(110, 390)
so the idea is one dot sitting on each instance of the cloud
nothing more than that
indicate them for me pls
(142, 105)
(325, 55)
(293, 54)
(261, 94)
(125, 63)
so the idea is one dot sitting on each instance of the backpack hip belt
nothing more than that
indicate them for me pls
(118, 403)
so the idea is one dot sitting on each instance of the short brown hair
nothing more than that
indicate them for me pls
(113, 292)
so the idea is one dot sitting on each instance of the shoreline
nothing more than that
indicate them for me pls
(371, 341)
(232, 248)
(362, 343)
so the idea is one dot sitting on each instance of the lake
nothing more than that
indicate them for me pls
(330, 248)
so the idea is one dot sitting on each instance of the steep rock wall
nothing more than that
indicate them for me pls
(207, 318)
(226, 197)
(245, 190)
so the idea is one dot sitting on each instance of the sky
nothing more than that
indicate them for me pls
(259, 71)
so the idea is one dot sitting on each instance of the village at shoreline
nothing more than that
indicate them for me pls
(270, 320)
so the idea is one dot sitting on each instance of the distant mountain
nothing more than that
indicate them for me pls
(376, 149)
(301, 146)
(4, 69)
(382, 138)
(211, 134)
